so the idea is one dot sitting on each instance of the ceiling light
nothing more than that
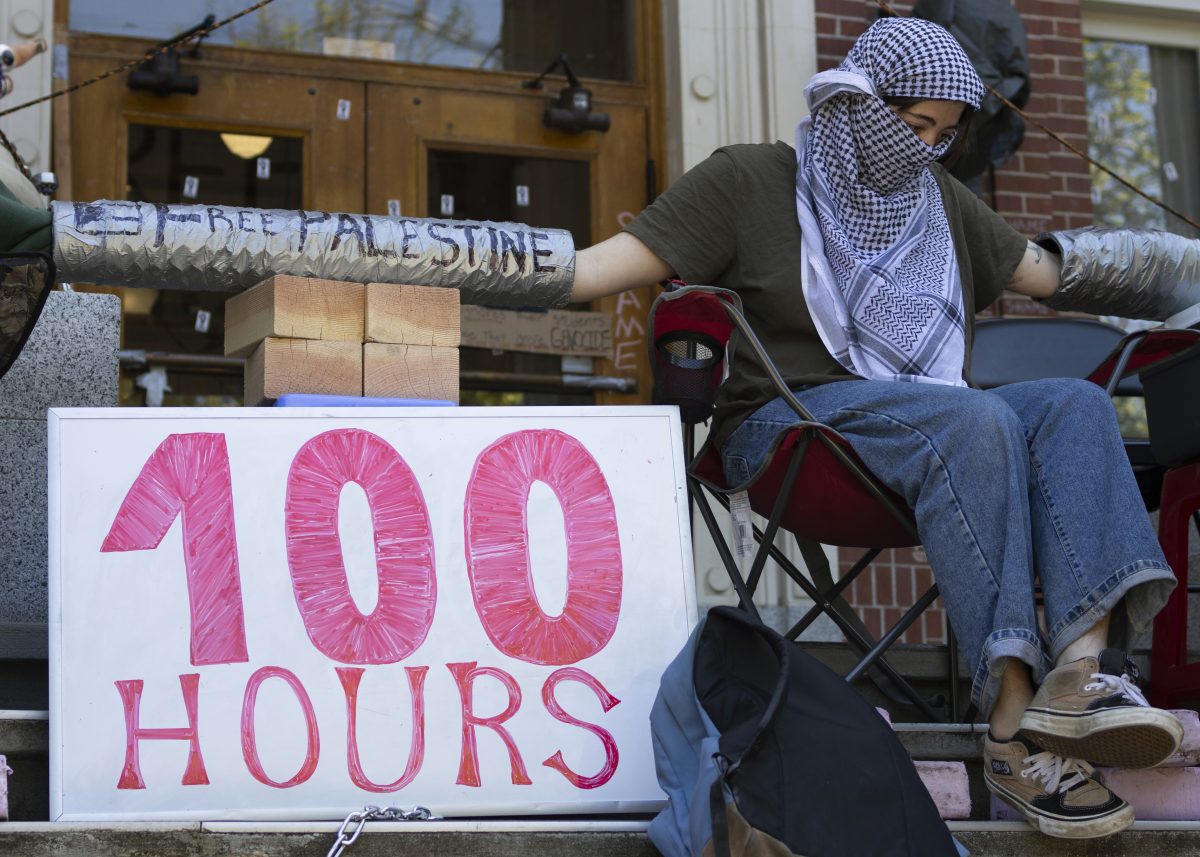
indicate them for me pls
(246, 146)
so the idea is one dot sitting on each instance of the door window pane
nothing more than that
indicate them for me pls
(192, 165)
(516, 35)
(548, 192)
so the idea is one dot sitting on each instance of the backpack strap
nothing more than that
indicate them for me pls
(747, 735)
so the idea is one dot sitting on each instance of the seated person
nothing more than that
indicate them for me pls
(861, 264)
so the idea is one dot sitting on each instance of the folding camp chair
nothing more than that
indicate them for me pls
(812, 483)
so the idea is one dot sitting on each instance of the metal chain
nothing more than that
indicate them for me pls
(356, 821)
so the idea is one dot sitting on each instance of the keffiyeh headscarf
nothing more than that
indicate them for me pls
(879, 272)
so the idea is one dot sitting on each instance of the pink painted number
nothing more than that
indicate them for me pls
(497, 539)
(188, 476)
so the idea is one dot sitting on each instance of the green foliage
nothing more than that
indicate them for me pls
(1122, 132)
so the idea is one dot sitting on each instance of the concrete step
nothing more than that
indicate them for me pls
(508, 839)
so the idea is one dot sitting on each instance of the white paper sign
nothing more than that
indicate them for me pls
(289, 613)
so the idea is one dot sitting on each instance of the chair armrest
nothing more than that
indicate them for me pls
(1139, 351)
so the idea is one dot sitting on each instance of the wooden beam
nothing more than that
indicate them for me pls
(294, 308)
(412, 315)
(281, 366)
(410, 371)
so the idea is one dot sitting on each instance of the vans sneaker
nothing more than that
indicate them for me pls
(1092, 709)
(1057, 796)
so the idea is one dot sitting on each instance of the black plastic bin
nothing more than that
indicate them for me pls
(1173, 408)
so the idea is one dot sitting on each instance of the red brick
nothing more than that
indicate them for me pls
(885, 587)
(891, 615)
(1010, 202)
(860, 592)
(1078, 184)
(1023, 183)
(1068, 29)
(924, 580)
(1065, 202)
(827, 25)
(1063, 161)
(904, 586)
(1062, 47)
(849, 8)
(1049, 8)
(1069, 67)
(873, 619)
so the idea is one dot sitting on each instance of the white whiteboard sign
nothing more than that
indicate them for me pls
(290, 613)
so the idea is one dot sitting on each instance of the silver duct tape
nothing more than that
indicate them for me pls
(1131, 273)
(224, 249)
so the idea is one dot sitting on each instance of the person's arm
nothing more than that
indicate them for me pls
(614, 265)
(1038, 273)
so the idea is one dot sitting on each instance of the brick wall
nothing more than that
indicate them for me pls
(1043, 186)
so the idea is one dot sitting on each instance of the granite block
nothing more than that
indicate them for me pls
(948, 786)
(1189, 748)
(23, 532)
(1000, 811)
(70, 359)
(1157, 794)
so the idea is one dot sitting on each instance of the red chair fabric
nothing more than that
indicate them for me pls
(829, 505)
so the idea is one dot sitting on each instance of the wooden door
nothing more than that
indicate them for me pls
(278, 96)
(411, 125)
(125, 144)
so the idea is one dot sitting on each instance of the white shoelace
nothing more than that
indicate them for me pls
(1122, 684)
(1056, 773)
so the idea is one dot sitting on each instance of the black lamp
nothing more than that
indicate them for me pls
(161, 74)
(571, 111)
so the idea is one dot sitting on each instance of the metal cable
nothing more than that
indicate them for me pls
(149, 55)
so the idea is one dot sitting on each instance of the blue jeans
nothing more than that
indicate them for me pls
(1025, 480)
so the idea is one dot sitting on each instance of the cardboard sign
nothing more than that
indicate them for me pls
(578, 334)
(290, 613)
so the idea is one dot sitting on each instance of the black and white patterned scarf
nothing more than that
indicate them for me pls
(879, 272)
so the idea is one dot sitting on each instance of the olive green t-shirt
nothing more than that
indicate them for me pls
(731, 222)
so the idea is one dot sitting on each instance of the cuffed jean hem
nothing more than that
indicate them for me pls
(1145, 586)
(1016, 643)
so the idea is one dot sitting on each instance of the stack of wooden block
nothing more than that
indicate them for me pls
(302, 335)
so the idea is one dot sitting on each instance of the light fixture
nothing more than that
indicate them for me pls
(571, 111)
(162, 73)
(246, 146)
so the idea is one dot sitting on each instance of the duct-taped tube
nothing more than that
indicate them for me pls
(1131, 273)
(227, 249)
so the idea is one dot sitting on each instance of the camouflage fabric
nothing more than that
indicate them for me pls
(22, 227)
(25, 280)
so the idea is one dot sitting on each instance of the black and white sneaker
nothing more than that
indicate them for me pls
(1057, 796)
